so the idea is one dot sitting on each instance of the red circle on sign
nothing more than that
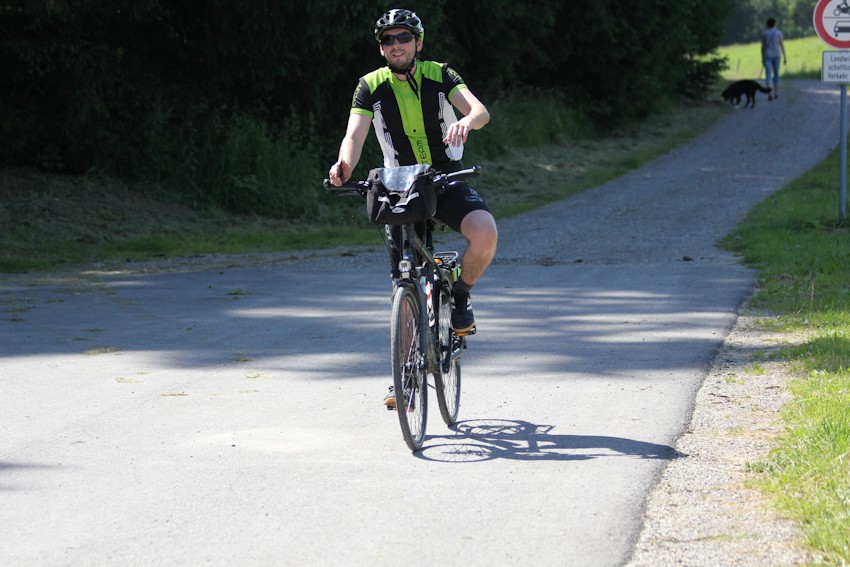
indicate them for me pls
(821, 29)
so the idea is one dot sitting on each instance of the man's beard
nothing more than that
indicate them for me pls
(401, 70)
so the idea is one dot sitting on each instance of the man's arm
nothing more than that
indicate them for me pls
(350, 149)
(475, 116)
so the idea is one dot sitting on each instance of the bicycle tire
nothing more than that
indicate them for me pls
(410, 381)
(447, 384)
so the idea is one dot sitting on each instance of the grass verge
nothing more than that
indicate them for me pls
(802, 253)
(52, 222)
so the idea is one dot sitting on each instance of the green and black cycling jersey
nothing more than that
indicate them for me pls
(410, 123)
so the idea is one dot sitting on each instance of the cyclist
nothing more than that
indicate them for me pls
(411, 104)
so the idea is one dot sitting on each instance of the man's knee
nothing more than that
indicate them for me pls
(480, 227)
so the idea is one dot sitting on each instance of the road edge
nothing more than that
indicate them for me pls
(703, 510)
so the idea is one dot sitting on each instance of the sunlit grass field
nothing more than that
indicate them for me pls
(804, 59)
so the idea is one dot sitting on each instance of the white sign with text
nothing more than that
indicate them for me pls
(836, 67)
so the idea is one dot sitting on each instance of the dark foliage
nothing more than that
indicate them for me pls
(143, 88)
(749, 18)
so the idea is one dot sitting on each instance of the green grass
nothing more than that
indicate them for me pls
(802, 253)
(528, 178)
(804, 60)
(237, 241)
(800, 246)
(60, 223)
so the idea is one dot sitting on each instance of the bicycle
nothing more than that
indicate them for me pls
(422, 341)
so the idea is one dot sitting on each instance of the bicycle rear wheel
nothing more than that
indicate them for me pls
(448, 383)
(408, 362)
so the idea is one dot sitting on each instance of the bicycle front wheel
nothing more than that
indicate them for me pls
(448, 382)
(408, 361)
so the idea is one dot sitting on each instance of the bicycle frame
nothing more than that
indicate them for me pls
(416, 269)
(410, 269)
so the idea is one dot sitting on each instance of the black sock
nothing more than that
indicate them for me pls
(461, 287)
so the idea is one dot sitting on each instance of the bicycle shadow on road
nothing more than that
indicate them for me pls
(10, 466)
(486, 439)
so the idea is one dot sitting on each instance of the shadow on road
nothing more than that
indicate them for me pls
(578, 320)
(9, 466)
(486, 439)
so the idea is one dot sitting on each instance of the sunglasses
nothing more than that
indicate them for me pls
(402, 38)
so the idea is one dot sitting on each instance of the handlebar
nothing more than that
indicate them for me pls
(347, 188)
(446, 179)
(443, 180)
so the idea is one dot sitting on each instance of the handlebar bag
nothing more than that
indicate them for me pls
(401, 195)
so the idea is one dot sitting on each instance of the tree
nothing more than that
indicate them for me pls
(749, 18)
(152, 88)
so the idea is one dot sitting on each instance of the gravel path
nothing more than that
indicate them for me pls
(701, 512)
(681, 204)
(674, 210)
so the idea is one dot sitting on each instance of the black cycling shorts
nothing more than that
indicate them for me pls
(458, 200)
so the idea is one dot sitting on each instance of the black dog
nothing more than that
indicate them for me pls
(735, 91)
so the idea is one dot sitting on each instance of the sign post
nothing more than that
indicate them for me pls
(832, 24)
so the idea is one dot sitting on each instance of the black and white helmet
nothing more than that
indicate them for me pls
(398, 18)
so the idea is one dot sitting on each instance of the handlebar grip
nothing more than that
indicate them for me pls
(474, 170)
(347, 188)
(445, 179)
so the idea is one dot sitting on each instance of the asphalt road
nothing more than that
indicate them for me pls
(233, 416)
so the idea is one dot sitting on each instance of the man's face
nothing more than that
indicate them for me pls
(399, 55)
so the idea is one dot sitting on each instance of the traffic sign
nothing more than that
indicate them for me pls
(832, 22)
(836, 67)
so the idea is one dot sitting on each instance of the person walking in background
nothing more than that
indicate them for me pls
(772, 48)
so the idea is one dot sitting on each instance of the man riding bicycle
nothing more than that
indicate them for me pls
(411, 104)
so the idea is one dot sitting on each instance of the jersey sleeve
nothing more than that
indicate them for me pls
(361, 102)
(452, 80)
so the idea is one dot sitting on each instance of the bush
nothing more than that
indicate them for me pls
(234, 105)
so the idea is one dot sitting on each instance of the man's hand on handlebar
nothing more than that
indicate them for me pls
(339, 173)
